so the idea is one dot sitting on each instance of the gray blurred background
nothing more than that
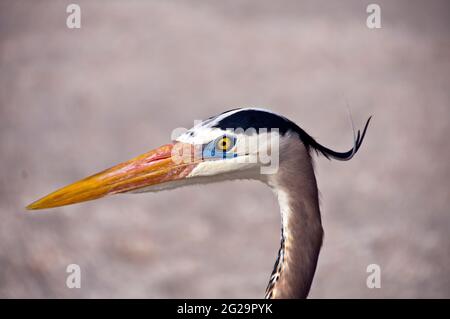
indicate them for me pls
(73, 102)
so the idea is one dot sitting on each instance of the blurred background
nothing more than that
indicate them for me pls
(76, 101)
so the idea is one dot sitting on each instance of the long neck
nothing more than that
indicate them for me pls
(301, 231)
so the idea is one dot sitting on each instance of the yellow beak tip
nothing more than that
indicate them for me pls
(34, 206)
(42, 203)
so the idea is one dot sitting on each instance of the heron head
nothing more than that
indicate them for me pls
(238, 144)
(208, 152)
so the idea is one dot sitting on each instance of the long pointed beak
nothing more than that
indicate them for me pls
(152, 168)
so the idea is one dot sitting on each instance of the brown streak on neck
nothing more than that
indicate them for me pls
(296, 187)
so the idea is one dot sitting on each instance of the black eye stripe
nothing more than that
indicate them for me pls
(256, 119)
(260, 119)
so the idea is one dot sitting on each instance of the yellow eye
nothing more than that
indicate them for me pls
(224, 144)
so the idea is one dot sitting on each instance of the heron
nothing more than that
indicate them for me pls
(224, 147)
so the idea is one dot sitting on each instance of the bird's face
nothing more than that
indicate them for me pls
(238, 144)
(201, 155)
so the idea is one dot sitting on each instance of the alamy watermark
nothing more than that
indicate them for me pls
(250, 146)
(374, 18)
(73, 280)
(374, 279)
(73, 20)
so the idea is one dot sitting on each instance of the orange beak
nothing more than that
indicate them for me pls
(155, 167)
